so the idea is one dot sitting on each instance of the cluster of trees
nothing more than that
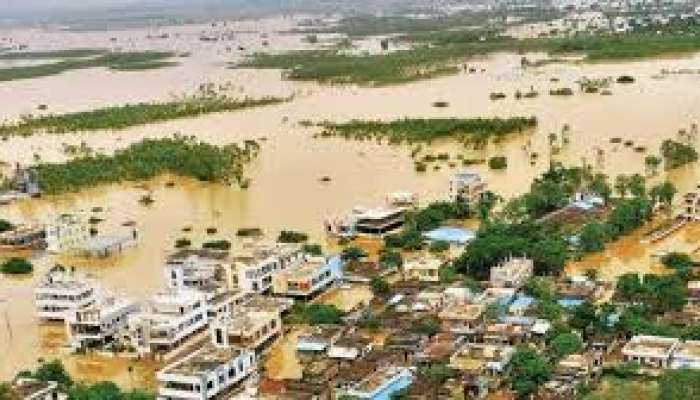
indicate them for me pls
(554, 190)
(677, 154)
(628, 213)
(498, 240)
(147, 159)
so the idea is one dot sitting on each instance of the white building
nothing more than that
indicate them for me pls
(67, 232)
(650, 351)
(61, 291)
(371, 222)
(309, 278)
(257, 263)
(467, 187)
(198, 269)
(512, 273)
(209, 373)
(100, 323)
(168, 319)
(250, 329)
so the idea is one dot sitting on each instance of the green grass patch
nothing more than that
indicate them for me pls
(146, 159)
(425, 130)
(121, 117)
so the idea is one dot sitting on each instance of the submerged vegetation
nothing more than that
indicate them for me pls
(121, 117)
(440, 47)
(424, 130)
(147, 159)
(82, 59)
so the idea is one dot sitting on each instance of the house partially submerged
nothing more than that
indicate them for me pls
(167, 320)
(101, 323)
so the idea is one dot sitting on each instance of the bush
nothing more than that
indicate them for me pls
(16, 266)
(292, 237)
(249, 232)
(439, 246)
(353, 253)
(498, 162)
(323, 314)
(222, 244)
(6, 225)
(380, 287)
(182, 243)
(312, 249)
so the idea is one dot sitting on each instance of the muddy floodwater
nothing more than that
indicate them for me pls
(286, 191)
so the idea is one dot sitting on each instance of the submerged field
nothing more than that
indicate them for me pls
(78, 59)
(438, 51)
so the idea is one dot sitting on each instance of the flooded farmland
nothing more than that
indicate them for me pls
(286, 191)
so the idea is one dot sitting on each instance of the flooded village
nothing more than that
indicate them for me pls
(467, 200)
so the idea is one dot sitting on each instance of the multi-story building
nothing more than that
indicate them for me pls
(168, 319)
(467, 187)
(257, 263)
(250, 329)
(61, 291)
(209, 373)
(198, 269)
(309, 278)
(424, 269)
(512, 273)
(100, 323)
(67, 232)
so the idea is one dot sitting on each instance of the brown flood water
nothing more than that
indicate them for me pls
(286, 192)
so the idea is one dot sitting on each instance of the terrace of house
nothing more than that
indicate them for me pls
(206, 362)
(649, 348)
